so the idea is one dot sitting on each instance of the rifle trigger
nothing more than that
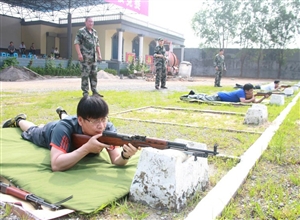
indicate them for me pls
(64, 200)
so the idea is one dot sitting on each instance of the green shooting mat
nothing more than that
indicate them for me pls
(94, 182)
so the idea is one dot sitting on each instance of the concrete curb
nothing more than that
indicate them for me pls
(212, 205)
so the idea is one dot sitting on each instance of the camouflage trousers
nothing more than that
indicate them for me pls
(88, 75)
(161, 76)
(218, 78)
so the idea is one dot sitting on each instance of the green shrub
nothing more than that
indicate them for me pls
(52, 70)
(50, 65)
(131, 67)
(30, 63)
(125, 72)
(137, 66)
(11, 61)
(38, 70)
(111, 71)
(70, 63)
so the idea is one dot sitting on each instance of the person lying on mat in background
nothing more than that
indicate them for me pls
(268, 87)
(244, 95)
(91, 119)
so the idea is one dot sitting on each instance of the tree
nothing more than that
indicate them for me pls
(244, 35)
(261, 24)
(282, 27)
(216, 22)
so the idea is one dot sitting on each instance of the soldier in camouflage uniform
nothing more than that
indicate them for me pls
(160, 64)
(88, 51)
(219, 65)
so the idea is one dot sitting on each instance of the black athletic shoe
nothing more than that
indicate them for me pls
(13, 122)
(192, 92)
(163, 87)
(156, 87)
(60, 110)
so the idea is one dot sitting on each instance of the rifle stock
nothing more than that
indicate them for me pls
(285, 86)
(116, 139)
(27, 196)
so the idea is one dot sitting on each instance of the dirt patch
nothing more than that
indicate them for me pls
(104, 75)
(14, 73)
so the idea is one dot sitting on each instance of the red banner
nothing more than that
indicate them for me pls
(139, 6)
(130, 57)
(148, 59)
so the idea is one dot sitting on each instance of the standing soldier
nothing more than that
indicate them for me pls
(219, 65)
(88, 51)
(160, 64)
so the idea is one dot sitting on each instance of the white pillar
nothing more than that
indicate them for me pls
(167, 179)
(171, 47)
(182, 53)
(141, 47)
(120, 44)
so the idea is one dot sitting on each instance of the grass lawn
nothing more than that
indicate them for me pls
(266, 192)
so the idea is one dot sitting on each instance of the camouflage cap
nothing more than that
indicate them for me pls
(160, 39)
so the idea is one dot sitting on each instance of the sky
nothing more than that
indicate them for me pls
(175, 15)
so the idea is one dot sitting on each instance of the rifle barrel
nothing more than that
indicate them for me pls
(39, 201)
(184, 147)
(116, 139)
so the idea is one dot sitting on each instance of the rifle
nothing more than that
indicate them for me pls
(27, 196)
(115, 139)
(268, 93)
(263, 93)
(285, 86)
